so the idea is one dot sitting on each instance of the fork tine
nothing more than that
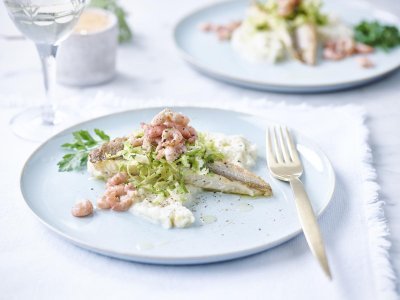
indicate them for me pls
(292, 147)
(283, 143)
(278, 152)
(270, 152)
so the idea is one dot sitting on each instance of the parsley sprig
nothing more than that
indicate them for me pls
(377, 35)
(80, 148)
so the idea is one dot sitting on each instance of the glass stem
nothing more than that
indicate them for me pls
(47, 55)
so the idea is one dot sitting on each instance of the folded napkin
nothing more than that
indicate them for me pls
(37, 264)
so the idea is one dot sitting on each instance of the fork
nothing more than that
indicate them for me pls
(284, 164)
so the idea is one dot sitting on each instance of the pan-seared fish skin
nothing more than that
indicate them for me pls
(215, 182)
(104, 151)
(237, 173)
(99, 163)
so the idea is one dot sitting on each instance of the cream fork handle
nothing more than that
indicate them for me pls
(309, 224)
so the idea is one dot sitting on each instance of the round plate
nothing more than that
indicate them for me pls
(220, 61)
(243, 225)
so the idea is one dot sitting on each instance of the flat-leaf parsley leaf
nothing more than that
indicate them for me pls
(377, 35)
(79, 149)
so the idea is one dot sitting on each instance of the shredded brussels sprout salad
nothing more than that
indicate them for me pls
(165, 178)
(308, 11)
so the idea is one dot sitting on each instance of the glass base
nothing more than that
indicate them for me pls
(29, 125)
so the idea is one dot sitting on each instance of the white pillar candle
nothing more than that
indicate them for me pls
(88, 56)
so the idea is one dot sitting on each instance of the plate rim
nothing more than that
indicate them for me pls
(265, 85)
(159, 259)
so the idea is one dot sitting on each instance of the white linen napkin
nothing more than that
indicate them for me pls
(37, 264)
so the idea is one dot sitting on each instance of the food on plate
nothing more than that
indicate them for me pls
(365, 62)
(79, 149)
(239, 174)
(377, 35)
(278, 30)
(305, 43)
(82, 209)
(343, 47)
(223, 31)
(119, 193)
(155, 171)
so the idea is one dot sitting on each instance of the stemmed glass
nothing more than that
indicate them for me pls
(46, 23)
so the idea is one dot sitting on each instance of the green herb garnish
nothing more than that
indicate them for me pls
(82, 144)
(125, 33)
(377, 35)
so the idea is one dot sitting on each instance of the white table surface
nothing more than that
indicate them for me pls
(150, 67)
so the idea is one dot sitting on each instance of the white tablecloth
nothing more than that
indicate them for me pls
(354, 228)
(148, 68)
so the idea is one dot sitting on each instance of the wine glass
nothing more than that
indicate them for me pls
(46, 23)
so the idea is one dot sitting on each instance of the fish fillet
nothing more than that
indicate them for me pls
(223, 177)
(305, 42)
(215, 182)
(239, 174)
